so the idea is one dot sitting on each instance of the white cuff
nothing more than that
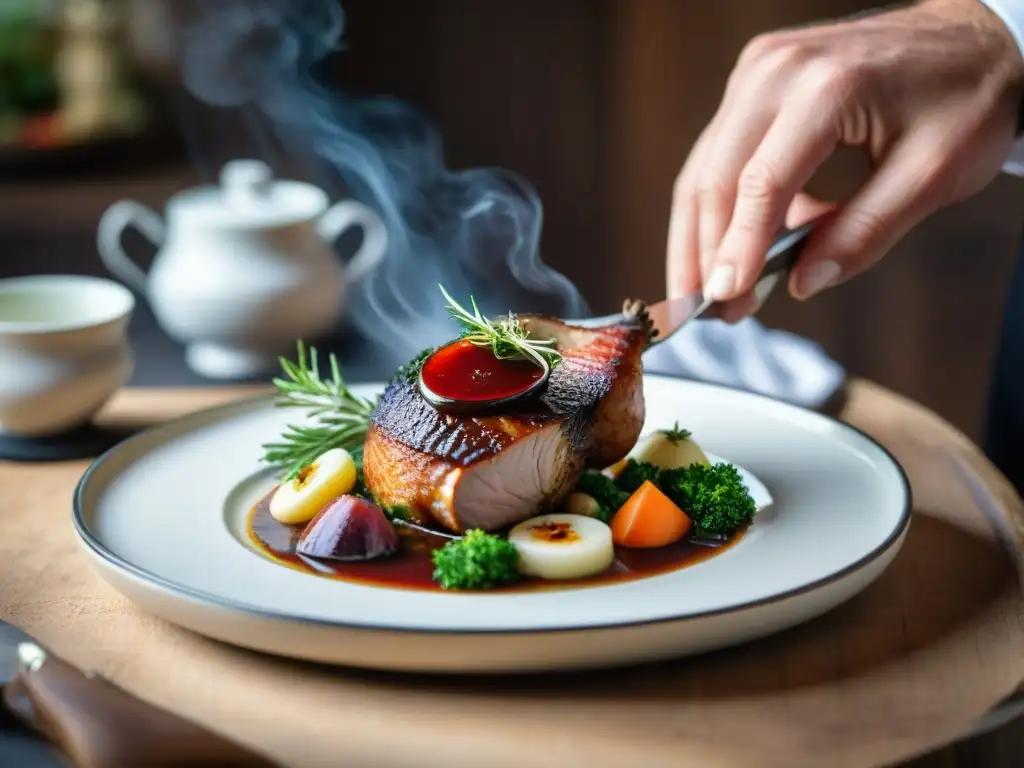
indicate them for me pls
(1011, 13)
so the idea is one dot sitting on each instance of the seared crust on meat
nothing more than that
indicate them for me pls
(496, 470)
(404, 415)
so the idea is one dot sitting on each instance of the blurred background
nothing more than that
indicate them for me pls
(596, 102)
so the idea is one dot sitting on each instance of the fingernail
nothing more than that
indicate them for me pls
(816, 277)
(720, 283)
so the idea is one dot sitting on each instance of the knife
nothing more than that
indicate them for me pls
(669, 316)
(95, 723)
(666, 318)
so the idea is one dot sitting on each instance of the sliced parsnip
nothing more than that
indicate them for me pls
(561, 546)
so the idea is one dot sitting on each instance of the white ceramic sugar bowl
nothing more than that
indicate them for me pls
(245, 269)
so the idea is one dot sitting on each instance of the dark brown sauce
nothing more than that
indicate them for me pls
(411, 566)
(464, 371)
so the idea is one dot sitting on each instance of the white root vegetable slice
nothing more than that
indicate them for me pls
(562, 546)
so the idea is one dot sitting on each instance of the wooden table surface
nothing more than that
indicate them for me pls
(897, 674)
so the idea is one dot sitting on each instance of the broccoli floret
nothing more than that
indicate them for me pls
(714, 497)
(395, 511)
(478, 560)
(635, 474)
(360, 489)
(604, 491)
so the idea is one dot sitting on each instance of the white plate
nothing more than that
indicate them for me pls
(161, 517)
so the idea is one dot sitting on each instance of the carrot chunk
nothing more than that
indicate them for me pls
(649, 519)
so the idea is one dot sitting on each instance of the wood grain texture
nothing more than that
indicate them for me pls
(904, 668)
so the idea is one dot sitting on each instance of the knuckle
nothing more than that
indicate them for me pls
(759, 182)
(767, 60)
(782, 57)
(762, 47)
(711, 190)
(832, 79)
(866, 228)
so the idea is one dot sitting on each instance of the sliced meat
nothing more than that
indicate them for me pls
(531, 473)
(489, 472)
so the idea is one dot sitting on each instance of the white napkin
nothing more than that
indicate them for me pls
(749, 356)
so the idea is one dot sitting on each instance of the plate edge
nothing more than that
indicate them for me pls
(87, 539)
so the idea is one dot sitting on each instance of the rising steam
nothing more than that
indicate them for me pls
(476, 231)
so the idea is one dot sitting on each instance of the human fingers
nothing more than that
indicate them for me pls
(905, 188)
(682, 254)
(800, 139)
(742, 127)
(803, 209)
(750, 105)
(695, 229)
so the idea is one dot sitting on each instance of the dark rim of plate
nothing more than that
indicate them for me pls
(99, 549)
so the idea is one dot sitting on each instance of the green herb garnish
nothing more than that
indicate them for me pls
(410, 372)
(506, 338)
(337, 418)
(675, 434)
(478, 560)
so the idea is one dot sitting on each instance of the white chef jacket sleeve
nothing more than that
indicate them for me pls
(1011, 12)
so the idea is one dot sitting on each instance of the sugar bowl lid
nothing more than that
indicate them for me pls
(249, 196)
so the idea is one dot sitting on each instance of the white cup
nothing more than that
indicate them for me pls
(63, 351)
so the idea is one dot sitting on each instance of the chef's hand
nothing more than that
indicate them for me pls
(929, 91)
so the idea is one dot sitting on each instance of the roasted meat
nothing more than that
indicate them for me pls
(489, 472)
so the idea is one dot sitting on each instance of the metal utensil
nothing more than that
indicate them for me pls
(95, 723)
(667, 317)
(671, 315)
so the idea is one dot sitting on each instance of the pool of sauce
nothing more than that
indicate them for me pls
(411, 566)
(463, 371)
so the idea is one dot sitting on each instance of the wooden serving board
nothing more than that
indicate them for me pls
(907, 666)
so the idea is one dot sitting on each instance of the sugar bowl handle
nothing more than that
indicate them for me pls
(350, 213)
(113, 223)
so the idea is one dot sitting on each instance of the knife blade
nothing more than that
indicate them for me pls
(97, 724)
(672, 315)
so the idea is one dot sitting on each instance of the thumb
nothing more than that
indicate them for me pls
(905, 189)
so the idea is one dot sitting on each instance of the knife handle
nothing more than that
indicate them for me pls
(786, 249)
(99, 725)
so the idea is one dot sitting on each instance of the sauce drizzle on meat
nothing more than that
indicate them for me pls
(464, 371)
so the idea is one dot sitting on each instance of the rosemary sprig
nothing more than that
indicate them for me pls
(336, 417)
(507, 338)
